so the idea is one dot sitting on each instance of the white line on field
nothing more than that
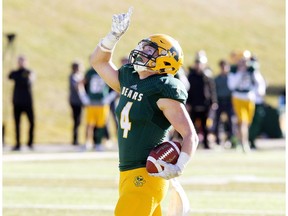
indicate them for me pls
(33, 189)
(111, 208)
(230, 179)
(203, 180)
(237, 212)
(59, 156)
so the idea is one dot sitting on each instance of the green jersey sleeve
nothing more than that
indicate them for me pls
(174, 89)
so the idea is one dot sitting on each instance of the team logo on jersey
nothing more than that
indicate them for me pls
(134, 87)
(178, 92)
(139, 181)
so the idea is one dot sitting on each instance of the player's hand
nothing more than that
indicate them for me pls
(120, 23)
(170, 170)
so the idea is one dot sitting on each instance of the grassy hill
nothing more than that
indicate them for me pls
(53, 33)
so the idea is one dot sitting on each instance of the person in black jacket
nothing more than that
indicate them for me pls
(22, 99)
(75, 78)
(224, 101)
(202, 96)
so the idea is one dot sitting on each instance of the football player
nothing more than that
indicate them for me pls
(151, 100)
(246, 83)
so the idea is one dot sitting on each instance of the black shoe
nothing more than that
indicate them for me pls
(16, 148)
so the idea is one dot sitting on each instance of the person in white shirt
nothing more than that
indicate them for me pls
(259, 114)
(245, 85)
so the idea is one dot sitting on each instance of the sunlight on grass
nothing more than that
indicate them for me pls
(90, 186)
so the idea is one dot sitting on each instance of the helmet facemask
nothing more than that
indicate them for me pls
(144, 56)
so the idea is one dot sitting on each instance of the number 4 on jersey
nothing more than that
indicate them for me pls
(125, 124)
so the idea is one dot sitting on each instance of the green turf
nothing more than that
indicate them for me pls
(217, 183)
(54, 33)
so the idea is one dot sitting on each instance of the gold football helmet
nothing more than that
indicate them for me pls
(159, 52)
(236, 56)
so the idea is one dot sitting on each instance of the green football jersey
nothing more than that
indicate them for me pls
(141, 124)
(95, 86)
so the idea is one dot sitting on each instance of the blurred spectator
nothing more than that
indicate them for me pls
(97, 109)
(202, 57)
(201, 96)
(224, 101)
(259, 114)
(75, 79)
(23, 100)
(244, 84)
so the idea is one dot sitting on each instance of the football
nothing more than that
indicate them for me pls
(167, 151)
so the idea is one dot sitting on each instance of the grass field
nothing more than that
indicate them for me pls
(53, 33)
(223, 182)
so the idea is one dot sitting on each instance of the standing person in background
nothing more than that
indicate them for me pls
(201, 97)
(97, 109)
(224, 101)
(75, 80)
(23, 100)
(244, 84)
(259, 114)
(151, 100)
(203, 59)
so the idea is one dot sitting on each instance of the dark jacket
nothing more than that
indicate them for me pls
(202, 92)
(22, 94)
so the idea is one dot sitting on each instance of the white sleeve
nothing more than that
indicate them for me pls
(260, 84)
(233, 80)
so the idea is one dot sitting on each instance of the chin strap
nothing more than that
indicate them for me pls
(139, 68)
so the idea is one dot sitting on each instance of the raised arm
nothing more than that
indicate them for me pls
(101, 58)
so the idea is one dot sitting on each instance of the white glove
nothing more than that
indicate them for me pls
(120, 23)
(171, 170)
